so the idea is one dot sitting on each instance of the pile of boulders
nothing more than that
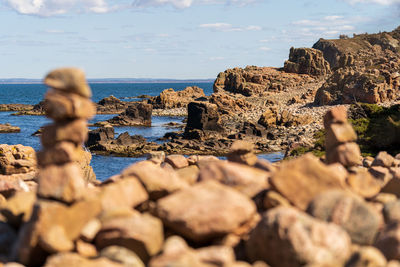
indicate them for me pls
(307, 61)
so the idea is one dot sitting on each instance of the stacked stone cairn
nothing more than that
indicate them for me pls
(340, 139)
(68, 104)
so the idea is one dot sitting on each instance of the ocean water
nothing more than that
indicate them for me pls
(104, 166)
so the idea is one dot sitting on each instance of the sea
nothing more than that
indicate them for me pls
(103, 166)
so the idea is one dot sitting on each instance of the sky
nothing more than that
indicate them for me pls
(179, 39)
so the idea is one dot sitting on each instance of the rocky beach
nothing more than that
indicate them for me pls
(333, 110)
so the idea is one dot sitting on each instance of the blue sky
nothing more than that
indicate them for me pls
(173, 38)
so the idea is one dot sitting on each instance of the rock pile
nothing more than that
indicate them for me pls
(137, 114)
(307, 61)
(340, 139)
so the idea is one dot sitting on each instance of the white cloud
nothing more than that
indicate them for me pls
(379, 2)
(181, 4)
(56, 7)
(226, 27)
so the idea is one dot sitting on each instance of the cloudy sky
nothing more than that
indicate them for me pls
(173, 38)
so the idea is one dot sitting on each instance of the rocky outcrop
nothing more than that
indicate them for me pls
(111, 105)
(15, 107)
(36, 110)
(347, 86)
(307, 61)
(256, 81)
(137, 114)
(230, 104)
(169, 98)
(16, 159)
(8, 128)
(203, 116)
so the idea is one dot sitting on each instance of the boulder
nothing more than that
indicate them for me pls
(16, 159)
(388, 241)
(367, 256)
(137, 114)
(269, 117)
(18, 208)
(350, 212)
(8, 128)
(111, 105)
(364, 184)
(70, 80)
(177, 99)
(242, 152)
(203, 116)
(383, 159)
(301, 179)
(122, 255)
(74, 259)
(177, 161)
(205, 211)
(60, 153)
(71, 131)
(347, 154)
(100, 135)
(307, 61)
(141, 233)
(287, 237)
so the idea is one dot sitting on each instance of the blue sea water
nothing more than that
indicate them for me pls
(104, 166)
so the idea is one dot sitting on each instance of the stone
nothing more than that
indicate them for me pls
(169, 98)
(393, 185)
(111, 105)
(288, 237)
(388, 241)
(247, 180)
(367, 256)
(337, 134)
(189, 174)
(242, 152)
(89, 231)
(301, 179)
(269, 117)
(84, 249)
(122, 255)
(137, 114)
(157, 181)
(337, 115)
(99, 135)
(60, 153)
(72, 131)
(364, 184)
(18, 208)
(391, 211)
(63, 182)
(347, 154)
(217, 255)
(203, 116)
(63, 106)
(382, 174)
(16, 159)
(141, 233)
(157, 157)
(69, 80)
(74, 259)
(273, 199)
(205, 210)
(177, 161)
(383, 159)
(307, 61)
(8, 128)
(126, 192)
(352, 213)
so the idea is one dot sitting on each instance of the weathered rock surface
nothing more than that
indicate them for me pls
(111, 105)
(307, 61)
(16, 159)
(288, 237)
(203, 116)
(8, 128)
(137, 114)
(205, 210)
(169, 98)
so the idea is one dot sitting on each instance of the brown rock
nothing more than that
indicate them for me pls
(16, 159)
(273, 199)
(205, 210)
(177, 99)
(383, 159)
(189, 174)
(337, 134)
(177, 161)
(8, 237)
(364, 184)
(242, 152)
(122, 255)
(247, 180)
(300, 180)
(18, 208)
(337, 114)
(74, 259)
(143, 234)
(388, 241)
(8, 128)
(89, 231)
(63, 106)
(347, 154)
(156, 156)
(64, 182)
(288, 237)
(157, 181)
(60, 153)
(393, 185)
(69, 80)
(137, 114)
(126, 192)
(85, 249)
(217, 255)
(203, 116)
(382, 174)
(367, 256)
(350, 212)
(74, 131)
(269, 117)
(307, 61)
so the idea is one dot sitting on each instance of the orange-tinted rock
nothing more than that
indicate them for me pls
(177, 99)
(177, 161)
(18, 208)
(189, 174)
(15, 159)
(382, 174)
(70, 80)
(249, 181)
(74, 259)
(74, 131)
(347, 154)
(157, 181)
(337, 134)
(388, 241)
(367, 256)
(300, 180)
(137, 114)
(143, 234)
(85, 249)
(61, 182)
(287, 237)
(61, 106)
(242, 152)
(350, 212)
(383, 159)
(269, 117)
(364, 184)
(122, 255)
(336, 114)
(60, 153)
(205, 210)
(307, 61)
(393, 185)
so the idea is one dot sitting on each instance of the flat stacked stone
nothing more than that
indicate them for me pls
(340, 139)
(68, 104)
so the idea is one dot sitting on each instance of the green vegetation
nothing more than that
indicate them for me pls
(318, 149)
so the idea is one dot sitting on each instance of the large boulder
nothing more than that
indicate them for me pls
(203, 116)
(137, 114)
(287, 237)
(16, 159)
(307, 61)
(111, 105)
(169, 98)
(205, 211)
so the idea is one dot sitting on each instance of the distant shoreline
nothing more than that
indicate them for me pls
(96, 81)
